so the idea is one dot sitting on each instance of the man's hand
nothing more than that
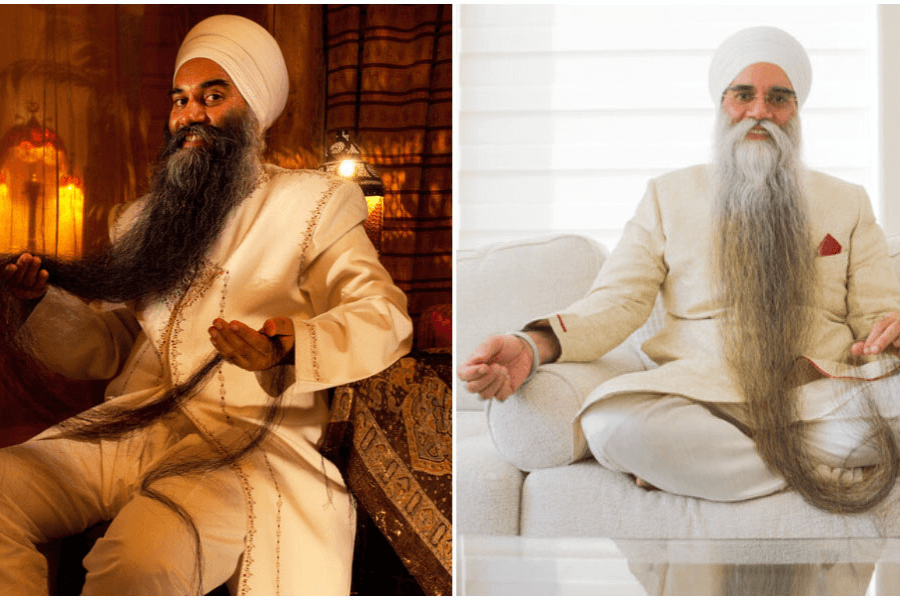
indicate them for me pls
(249, 349)
(885, 335)
(26, 279)
(497, 367)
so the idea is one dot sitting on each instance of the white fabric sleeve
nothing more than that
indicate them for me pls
(624, 292)
(79, 341)
(361, 325)
(872, 287)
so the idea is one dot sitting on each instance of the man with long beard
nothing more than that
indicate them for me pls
(208, 469)
(777, 290)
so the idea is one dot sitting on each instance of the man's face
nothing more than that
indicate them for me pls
(761, 91)
(203, 94)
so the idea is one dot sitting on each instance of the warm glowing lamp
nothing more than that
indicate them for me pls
(345, 160)
(41, 206)
(71, 211)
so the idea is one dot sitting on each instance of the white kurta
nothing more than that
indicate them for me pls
(666, 250)
(297, 248)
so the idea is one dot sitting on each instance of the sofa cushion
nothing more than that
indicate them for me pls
(502, 287)
(535, 428)
(587, 500)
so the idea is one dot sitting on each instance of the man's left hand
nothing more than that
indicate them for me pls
(885, 336)
(250, 349)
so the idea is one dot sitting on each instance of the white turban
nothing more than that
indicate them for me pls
(755, 45)
(250, 56)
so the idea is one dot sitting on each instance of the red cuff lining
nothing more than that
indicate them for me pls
(562, 324)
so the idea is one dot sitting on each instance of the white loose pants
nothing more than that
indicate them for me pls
(696, 449)
(50, 488)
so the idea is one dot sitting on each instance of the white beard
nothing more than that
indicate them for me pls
(764, 259)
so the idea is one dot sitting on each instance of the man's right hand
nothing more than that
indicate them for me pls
(497, 367)
(25, 278)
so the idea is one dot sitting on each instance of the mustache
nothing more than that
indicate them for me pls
(737, 132)
(206, 133)
(215, 138)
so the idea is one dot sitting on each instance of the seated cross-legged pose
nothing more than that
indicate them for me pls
(781, 326)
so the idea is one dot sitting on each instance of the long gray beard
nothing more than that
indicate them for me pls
(765, 258)
(764, 253)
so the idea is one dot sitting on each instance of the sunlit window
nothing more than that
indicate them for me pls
(565, 112)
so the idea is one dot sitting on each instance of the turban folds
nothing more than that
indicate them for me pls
(756, 45)
(250, 56)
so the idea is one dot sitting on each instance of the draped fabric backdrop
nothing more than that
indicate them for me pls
(389, 83)
(83, 103)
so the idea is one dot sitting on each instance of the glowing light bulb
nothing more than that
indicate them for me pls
(347, 168)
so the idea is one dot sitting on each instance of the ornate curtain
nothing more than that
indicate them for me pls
(389, 82)
(68, 94)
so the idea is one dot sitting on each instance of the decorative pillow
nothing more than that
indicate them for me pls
(536, 428)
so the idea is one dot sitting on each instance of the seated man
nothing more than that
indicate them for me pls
(777, 289)
(217, 476)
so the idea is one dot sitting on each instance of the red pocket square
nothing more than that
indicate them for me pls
(829, 246)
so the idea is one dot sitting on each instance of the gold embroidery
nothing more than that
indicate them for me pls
(244, 585)
(178, 300)
(314, 352)
(220, 372)
(316, 214)
(383, 462)
(427, 410)
(278, 506)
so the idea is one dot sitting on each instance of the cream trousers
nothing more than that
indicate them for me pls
(50, 488)
(696, 449)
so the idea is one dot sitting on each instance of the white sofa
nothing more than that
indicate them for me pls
(521, 468)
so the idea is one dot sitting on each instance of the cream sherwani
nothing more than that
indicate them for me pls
(296, 247)
(656, 424)
(679, 426)
(666, 249)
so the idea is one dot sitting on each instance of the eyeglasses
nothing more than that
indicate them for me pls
(776, 98)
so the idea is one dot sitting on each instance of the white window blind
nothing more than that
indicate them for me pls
(565, 112)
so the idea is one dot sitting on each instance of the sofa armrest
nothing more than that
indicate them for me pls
(535, 428)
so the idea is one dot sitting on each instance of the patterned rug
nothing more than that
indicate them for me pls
(391, 435)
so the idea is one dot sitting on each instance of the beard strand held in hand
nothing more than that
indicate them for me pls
(767, 275)
(193, 192)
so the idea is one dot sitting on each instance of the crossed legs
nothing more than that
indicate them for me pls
(695, 449)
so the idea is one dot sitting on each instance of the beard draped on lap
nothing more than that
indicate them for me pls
(193, 193)
(766, 263)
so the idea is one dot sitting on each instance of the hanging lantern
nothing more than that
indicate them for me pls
(71, 211)
(345, 160)
(41, 205)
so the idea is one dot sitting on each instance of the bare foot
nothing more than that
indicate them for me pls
(643, 484)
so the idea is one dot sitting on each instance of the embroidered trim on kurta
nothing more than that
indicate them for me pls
(244, 587)
(278, 505)
(314, 352)
(180, 299)
(220, 372)
(311, 224)
(316, 215)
